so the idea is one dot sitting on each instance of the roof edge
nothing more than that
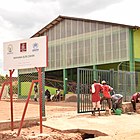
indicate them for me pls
(60, 18)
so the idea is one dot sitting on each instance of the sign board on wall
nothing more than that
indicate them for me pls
(27, 53)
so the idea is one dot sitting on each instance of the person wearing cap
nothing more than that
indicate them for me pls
(135, 99)
(106, 94)
(95, 90)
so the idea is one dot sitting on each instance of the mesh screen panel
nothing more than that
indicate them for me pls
(75, 43)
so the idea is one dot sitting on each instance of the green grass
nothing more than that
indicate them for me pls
(25, 87)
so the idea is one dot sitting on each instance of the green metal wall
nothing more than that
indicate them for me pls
(137, 44)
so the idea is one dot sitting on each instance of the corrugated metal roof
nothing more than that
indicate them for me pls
(60, 18)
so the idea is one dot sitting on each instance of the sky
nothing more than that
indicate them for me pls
(20, 19)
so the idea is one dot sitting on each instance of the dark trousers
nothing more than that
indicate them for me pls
(108, 101)
(134, 104)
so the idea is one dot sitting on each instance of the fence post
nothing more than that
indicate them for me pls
(11, 99)
(78, 89)
(94, 72)
(125, 85)
(19, 84)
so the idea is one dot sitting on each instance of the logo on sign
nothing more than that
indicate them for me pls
(10, 49)
(35, 47)
(23, 47)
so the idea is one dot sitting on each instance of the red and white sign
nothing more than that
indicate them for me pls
(27, 53)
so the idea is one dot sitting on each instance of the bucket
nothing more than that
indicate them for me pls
(118, 111)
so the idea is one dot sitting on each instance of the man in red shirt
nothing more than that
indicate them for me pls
(106, 94)
(135, 99)
(95, 89)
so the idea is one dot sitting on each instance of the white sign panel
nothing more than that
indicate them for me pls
(27, 53)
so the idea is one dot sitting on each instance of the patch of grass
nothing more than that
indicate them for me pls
(25, 87)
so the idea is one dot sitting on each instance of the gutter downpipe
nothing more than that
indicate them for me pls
(118, 68)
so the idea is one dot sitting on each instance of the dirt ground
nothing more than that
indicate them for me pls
(62, 116)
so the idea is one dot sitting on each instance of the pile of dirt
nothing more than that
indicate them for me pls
(32, 133)
(5, 136)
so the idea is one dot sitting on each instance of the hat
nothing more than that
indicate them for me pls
(103, 82)
(95, 80)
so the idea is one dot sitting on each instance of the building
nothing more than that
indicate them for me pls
(77, 42)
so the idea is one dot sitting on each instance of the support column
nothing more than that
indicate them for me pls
(78, 90)
(132, 62)
(95, 72)
(65, 79)
(40, 95)
(111, 77)
(71, 74)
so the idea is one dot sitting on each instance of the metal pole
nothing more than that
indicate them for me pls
(78, 90)
(43, 92)
(19, 84)
(40, 95)
(65, 80)
(11, 99)
(26, 105)
(119, 73)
